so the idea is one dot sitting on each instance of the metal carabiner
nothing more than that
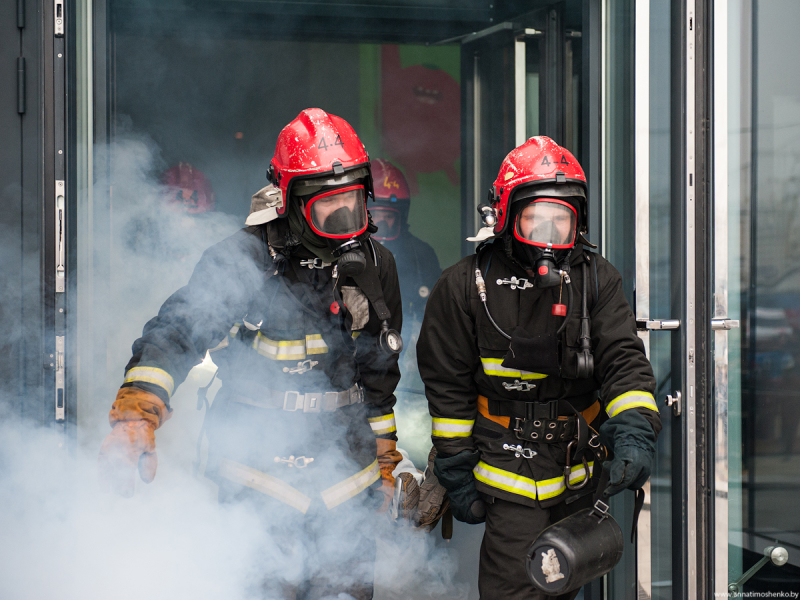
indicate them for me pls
(302, 367)
(568, 470)
(519, 451)
(301, 462)
(515, 283)
(519, 386)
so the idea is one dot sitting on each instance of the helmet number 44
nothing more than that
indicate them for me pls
(323, 144)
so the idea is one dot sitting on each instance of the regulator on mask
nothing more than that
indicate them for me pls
(544, 231)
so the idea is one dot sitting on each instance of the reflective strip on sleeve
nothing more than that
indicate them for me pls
(451, 428)
(494, 367)
(153, 375)
(631, 400)
(351, 487)
(315, 344)
(266, 484)
(279, 350)
(505, 480)
(383, 424)
(234, 330)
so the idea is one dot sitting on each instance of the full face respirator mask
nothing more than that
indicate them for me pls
(340, 217)
(544, 233)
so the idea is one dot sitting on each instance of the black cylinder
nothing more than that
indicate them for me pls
(574, 551)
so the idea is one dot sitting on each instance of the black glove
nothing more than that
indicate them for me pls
(455, 474)
(632, 439)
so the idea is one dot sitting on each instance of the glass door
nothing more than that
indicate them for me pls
(757, 366)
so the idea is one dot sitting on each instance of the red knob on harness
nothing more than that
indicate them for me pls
(335, 307)
(559, 310)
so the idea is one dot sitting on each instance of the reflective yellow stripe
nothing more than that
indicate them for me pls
(351, 487)
(505, 480)
(234, 330)
(383, 424)
(266, 484)
(524, 486)
(578, 473)
(279, 350)
(631, 400)
(153, 375)
(494, 367)
(315, 344)
(451, 428)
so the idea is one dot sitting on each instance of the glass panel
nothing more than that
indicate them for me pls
(763, 409)
(660, 294)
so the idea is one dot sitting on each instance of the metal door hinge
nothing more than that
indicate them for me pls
(657, 324)
(675, 403)
(61, 220)
(58, 11)
(724, 324)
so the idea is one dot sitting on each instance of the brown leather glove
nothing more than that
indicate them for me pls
(433, 500)
(134, 417)
(388, 457)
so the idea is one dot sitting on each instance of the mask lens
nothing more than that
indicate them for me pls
(339, 213)
(388, 222)
(547, 222)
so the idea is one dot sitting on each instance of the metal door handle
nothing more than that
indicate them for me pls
(657, 324)
(724, 324)
(675, 403)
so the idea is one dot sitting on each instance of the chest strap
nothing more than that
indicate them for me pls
(307, 402)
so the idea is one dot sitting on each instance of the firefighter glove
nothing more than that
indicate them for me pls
(131, 445)
(455, 474)
(632, 440)
(388, 457)
(433, 500)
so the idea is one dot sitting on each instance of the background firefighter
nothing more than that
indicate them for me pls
(508, 363)
(301, 311)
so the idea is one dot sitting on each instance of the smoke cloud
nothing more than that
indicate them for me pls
(66, 536)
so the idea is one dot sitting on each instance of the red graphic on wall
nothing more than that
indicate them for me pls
(421, 110)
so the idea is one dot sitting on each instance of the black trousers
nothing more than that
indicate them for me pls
(510, 531)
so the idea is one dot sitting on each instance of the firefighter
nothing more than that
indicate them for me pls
(301, 310)
(417, 264)
(533, 369)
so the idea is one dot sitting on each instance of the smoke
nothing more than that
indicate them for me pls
(65, 535)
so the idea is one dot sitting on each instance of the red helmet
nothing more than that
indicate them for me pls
(392, 200)
(318, 151)
(188, 188)
(540, 169)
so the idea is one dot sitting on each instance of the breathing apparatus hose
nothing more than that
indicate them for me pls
(481, 285)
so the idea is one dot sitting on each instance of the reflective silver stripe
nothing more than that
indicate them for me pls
(505, 480)
(279, 350)
(495, 368)
(451, 428)
(550, 488)
(315, 344)
(352, 486)
(383, 424)
(631, 400)
(153, 375)
(266, 484)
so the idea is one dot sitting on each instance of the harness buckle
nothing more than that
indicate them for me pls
(519, 386)
(515, 283)
(292, 401)
(314, 263)
(312, 402)
(519, 451)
